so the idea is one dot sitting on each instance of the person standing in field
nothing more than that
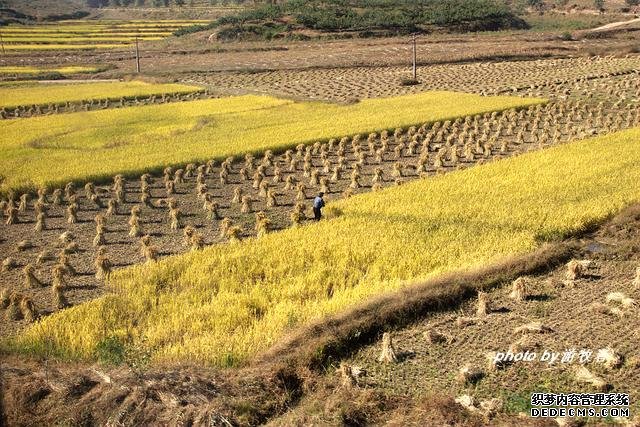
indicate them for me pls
(318, 204)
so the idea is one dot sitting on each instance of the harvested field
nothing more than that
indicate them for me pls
(172, 57)
(422, 386)
(564, 121)
(344, 84)
(146, 237)
(508, 207)
(568, 308)
(287, 391)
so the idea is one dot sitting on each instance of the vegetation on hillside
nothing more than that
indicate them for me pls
(166, 3)
(20, 11)
(366, 17)
(228, 302)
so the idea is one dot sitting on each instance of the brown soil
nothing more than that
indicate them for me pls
(194, 53)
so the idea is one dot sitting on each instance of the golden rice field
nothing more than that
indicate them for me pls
(52, 150)
(60, 46)
(228, 302)
(35, 71)
(17, 94)
(84, 34)
(60, 40)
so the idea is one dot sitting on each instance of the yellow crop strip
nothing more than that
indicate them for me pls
(72, 41)
(42, 94)
(56, 46)
(95, 35)
(51, 150)
(222, 305)
(70, 35)
(21, 70)
(86, 31)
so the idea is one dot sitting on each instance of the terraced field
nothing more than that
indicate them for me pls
(467, 179)
(503, 135)
(240, 298)
(87, 35)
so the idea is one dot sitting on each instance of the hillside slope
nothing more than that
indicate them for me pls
(41, 9)
(363, 18)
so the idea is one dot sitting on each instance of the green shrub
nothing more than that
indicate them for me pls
(566, 36)
(409, 82)
(110, 351)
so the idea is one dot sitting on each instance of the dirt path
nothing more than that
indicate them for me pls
(614, 25)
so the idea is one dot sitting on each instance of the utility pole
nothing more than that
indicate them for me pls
(415, 70)
(137, 57)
